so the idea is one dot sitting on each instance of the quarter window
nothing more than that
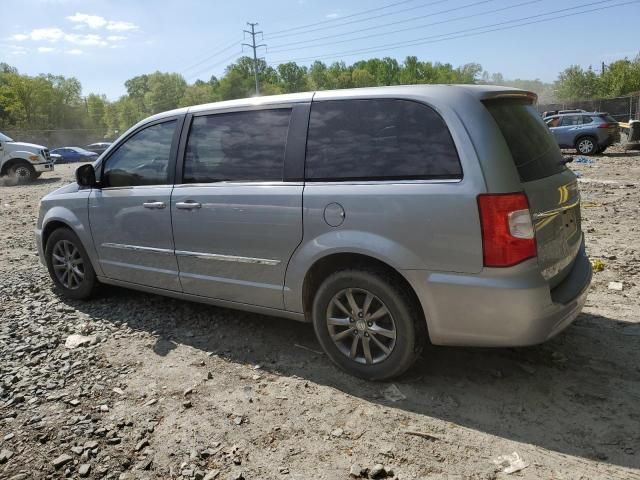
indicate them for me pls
(381, 139)
(239, 146)
(143, 159)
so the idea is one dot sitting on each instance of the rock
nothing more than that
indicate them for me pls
(377, 471)
(510, 463)
(198, 474)
(153, 401)
(337, 432)
(84, 469)
(19, 476)
(75, 341)
(77, 450)
(141, 444)
(5, 455)
(62, 460)
(283, 470)
(90, 445)
(617, 286)
(187, 391)
(9, 436)
(211, 475)
(187, 404)
(355, 471)
(119, 391)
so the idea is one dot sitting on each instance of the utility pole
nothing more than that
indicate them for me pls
(254, 47)
(603, 68)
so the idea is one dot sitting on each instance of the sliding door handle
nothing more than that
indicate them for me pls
(188, 205)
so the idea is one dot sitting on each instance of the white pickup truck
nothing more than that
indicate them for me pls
(23, 161)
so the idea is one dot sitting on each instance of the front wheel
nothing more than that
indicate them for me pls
(22, 172)
(587, 146)
(69, 265)
(367, 325)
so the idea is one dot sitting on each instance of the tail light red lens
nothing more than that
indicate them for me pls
(508, 237)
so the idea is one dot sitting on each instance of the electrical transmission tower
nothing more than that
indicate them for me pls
(254, 47)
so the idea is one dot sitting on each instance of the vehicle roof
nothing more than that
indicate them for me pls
(443, 93)
(576, 113)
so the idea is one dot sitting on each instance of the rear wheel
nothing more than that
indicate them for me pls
(69, 265)
(586, 145)
(367, 325)
(22, 172)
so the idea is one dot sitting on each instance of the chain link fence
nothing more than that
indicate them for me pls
(58, 138)
(622, 109)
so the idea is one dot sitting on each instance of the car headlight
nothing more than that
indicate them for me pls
(34, 158)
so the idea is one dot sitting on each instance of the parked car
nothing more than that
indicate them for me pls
(98, 148)
(56, 158)
(588, 133)
(74, 154)
(23, 161)
(561, 112)
(384, 216)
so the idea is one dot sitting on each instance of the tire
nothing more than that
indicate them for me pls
(22, 172)
(586, 146)
(37, 174)
(339, 335)
(80, 282)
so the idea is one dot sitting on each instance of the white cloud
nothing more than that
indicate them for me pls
(121, 26)
(96, 22)
(41, 35)
(116, 38)
(46, 49)
(92, 21)
(19, 37)
(86, 40)
(75, 51)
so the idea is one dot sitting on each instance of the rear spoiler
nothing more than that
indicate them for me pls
(511, 95)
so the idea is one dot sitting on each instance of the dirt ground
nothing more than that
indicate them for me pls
(170, 389)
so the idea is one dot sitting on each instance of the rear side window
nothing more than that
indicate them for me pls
(571, 120)
(240, 146)
(378, 139)
(533, 148)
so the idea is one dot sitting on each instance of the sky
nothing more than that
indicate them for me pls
(105, 42)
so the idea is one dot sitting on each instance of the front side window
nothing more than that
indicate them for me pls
(239, 146)
(142, 159)
(378, 139)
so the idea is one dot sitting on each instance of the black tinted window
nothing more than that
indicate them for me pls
(143, 159)
(571, 120)
(533, 148)
(378, 139)
(237, 146)
(587, 119)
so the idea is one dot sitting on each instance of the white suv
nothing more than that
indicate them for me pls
(23, 161)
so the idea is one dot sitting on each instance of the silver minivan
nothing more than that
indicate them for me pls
(384, 216)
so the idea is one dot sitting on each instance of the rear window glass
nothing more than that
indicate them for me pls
(608, 118)
(533, 148)
(379, 139)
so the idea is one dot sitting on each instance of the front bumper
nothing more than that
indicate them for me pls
(507, 307)
(43, 167)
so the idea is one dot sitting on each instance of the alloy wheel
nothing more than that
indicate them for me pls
(586, 146)
(361, 326)
(68, 264)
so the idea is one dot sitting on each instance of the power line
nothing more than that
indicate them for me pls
(461, 33)
(211, 67)
(464, 17)
(323, 22)
(272, 36)
(254, 47)
(211, 56)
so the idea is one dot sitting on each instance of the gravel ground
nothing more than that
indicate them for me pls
(170, 389)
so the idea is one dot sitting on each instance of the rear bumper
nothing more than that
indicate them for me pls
(500, 307)
(43, 167)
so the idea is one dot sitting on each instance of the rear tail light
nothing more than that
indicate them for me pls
(508, 237)
(607, 125)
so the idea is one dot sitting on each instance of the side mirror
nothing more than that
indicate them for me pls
(86, 176)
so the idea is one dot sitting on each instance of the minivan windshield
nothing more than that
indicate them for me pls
(533, 148)
(4, 138)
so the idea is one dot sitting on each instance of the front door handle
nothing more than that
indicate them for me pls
(188, 205)
(154, 205)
